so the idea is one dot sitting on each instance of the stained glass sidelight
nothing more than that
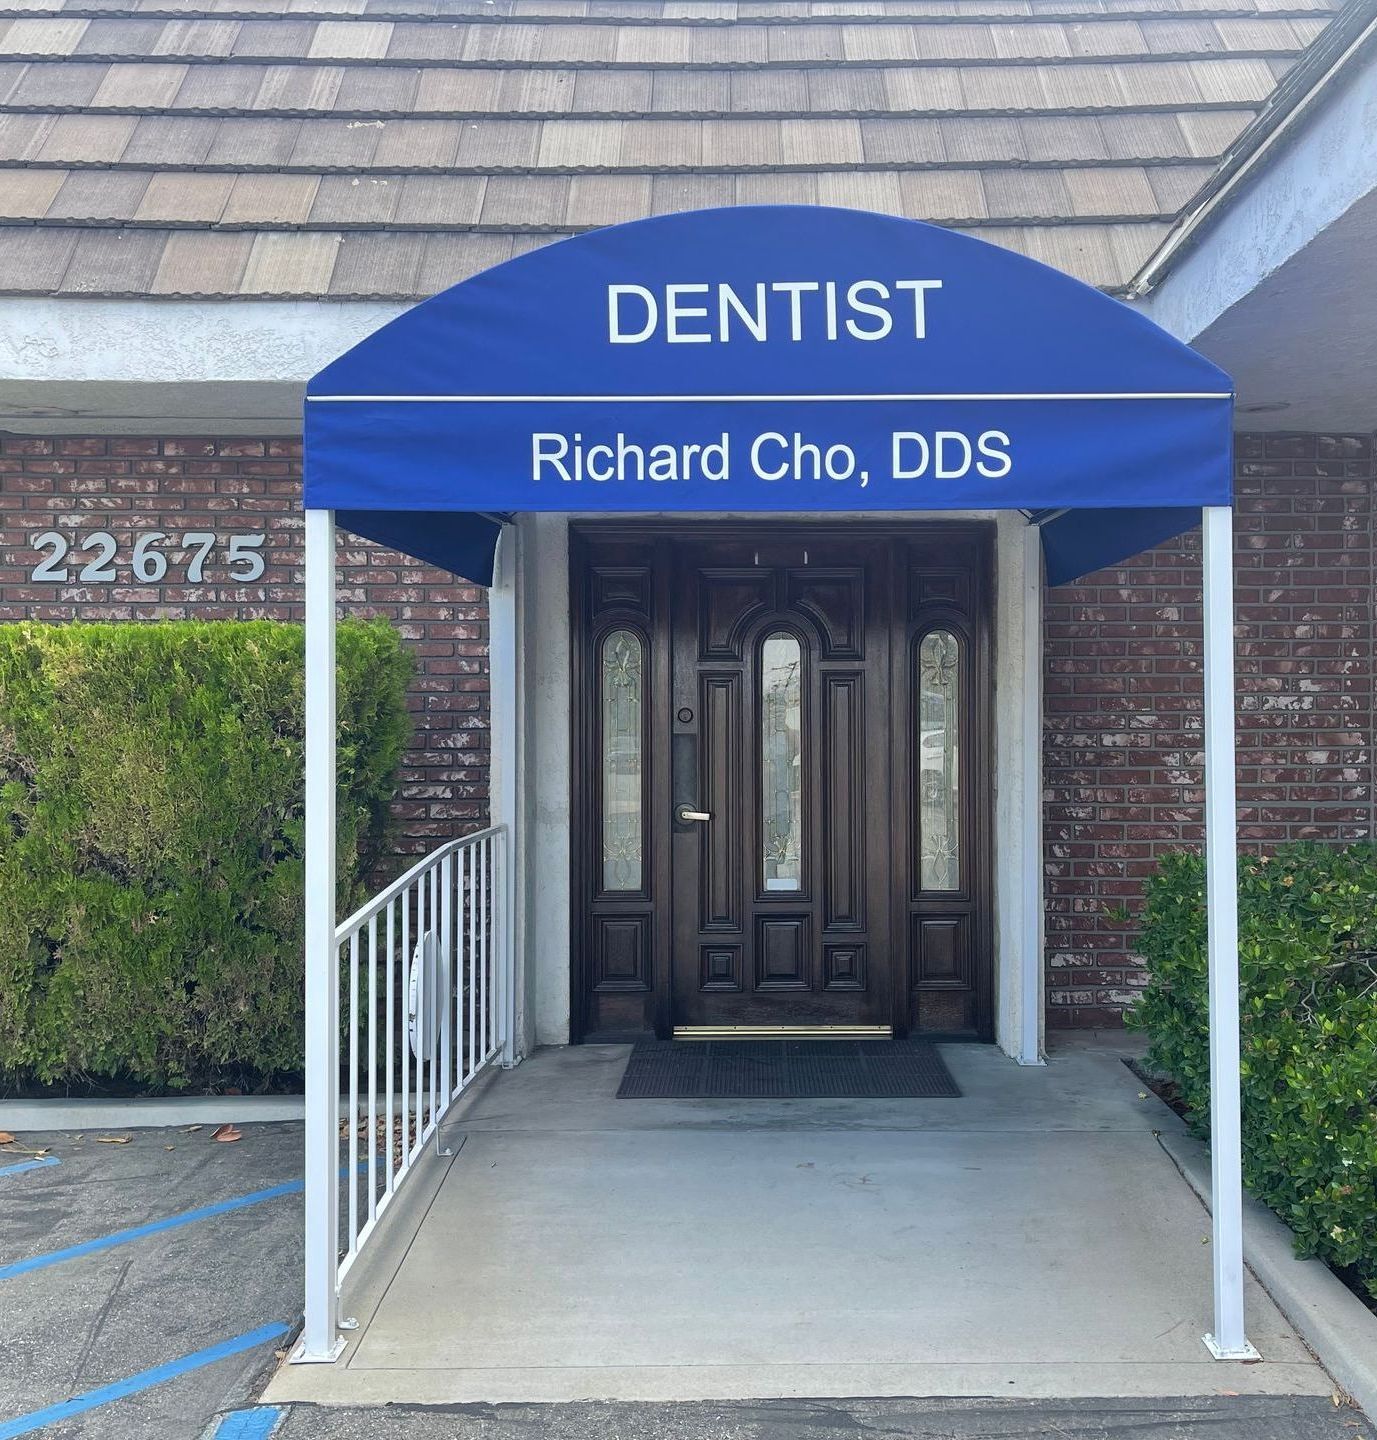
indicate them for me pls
(939, 757)
(621, 686)
(781, 761)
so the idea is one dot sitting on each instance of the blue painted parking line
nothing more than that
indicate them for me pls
(24, 1165)
(256, 1424)
(139, 1232)
(144, 1380)
(156, 1227)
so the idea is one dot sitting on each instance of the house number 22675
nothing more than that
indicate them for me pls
(242, 554)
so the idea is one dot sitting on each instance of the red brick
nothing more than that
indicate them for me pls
(1306, 570)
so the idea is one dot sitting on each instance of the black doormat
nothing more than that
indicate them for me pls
(786, 1070)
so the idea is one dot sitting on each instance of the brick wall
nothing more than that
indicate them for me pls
(130, 486)
(1123, 680)
(1124, 696)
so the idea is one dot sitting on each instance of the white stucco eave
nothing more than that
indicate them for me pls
(241, 366)
(1272, 291)
(1317, 177)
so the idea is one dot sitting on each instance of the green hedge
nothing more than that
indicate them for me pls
(150, 842)
(1308, 975)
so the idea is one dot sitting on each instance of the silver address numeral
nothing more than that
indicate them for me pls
(240, 554)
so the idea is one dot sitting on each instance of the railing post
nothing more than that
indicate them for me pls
(450, 983)
(480, 953)
(320, 1340)
(501, 974)
(431, 1038)
(504, 963)
(389, 1127)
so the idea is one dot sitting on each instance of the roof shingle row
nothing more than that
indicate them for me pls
(359, 42)
(519, 203)
(388, 92)
(395, 266)
(685, 12)
(574, 146)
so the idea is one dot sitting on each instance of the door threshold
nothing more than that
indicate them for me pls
(783, 1032)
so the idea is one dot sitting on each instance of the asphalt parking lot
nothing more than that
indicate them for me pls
(147, 1277)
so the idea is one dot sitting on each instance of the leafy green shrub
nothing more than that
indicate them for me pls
(151, 842)
(1308, 977)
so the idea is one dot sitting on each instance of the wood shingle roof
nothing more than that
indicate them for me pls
(388, 148)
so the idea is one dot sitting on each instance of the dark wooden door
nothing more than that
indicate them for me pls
(822, 695)
(780, 735)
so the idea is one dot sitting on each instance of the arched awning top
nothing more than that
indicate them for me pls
(769, 359)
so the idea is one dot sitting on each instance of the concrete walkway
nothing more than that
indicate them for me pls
(1031, 1239)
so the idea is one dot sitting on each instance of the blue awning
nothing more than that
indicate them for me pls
(769, 359)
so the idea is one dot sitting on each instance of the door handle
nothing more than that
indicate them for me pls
(683, 815)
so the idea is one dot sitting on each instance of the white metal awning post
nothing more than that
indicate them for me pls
(320, 1338)
(1228, 1341)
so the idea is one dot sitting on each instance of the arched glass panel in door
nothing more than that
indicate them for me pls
(621, 680)
(781, 761)
(939, 761)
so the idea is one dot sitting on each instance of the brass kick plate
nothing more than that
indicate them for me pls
(783, 1032)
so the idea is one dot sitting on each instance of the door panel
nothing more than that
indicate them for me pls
(944, 849)
(619, 872)
(822, 696)
(843, 795)
(780, 679)
(721, 861)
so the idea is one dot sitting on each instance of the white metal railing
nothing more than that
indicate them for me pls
(424, 973)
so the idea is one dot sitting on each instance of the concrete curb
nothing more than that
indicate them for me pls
(1336, 1325)
(134, 1113)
